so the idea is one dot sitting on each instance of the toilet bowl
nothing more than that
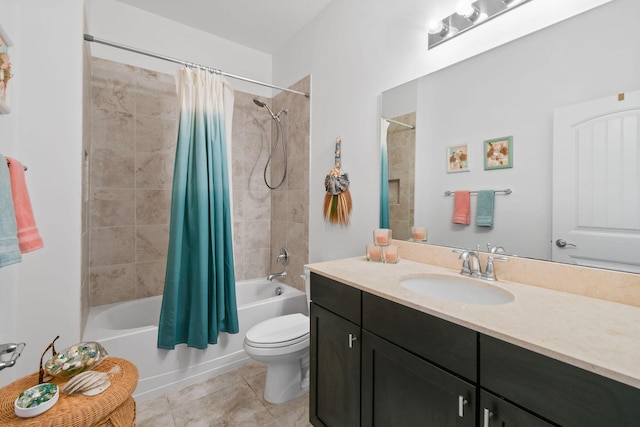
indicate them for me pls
(282, 343)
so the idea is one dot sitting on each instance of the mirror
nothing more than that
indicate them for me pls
(511, 91)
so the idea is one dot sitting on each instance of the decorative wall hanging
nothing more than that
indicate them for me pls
(5, 70)
(458, 158)
(498, 153)
(337, 201)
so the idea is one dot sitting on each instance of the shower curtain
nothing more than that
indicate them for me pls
(199, 299)
(384, 175)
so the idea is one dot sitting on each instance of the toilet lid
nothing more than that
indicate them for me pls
(279, 331)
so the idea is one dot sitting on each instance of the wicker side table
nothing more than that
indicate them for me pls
(113, 407)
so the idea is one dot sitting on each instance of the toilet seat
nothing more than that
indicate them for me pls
(281, 331)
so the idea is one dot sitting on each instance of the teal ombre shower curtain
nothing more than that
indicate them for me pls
(199, 298)
(384, 175)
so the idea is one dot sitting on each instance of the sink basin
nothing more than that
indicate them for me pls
(458, 289)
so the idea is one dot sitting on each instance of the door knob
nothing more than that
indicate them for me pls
(561, 243)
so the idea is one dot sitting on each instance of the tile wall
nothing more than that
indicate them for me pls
(401, 146)
(290, 203)
(133, 135)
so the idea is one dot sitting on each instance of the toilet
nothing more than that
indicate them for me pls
(282, 343)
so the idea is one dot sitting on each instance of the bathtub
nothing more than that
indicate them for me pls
(130, 330)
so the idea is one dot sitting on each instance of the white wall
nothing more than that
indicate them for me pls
(124, 24)
(46, 135)
(8, 138)
(354, 51)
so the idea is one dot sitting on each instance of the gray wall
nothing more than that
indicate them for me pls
(513, 90)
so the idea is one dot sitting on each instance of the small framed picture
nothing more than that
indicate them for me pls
(498, 153)
(458, 158)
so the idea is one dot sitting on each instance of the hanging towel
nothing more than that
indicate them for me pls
(9, 248)
(485, 208)
(462, 207)
(28, 236)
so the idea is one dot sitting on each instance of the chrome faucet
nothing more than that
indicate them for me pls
(275, 275)
(471, 264)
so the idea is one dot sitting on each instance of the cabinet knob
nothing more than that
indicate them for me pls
(486, 416)
(352, 338)
(461, 403)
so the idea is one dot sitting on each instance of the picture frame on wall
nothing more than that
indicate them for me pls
(458, 158)
(498, 153)
(5, 70)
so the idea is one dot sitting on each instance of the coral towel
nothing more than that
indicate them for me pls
(462, 207)
(28, 237)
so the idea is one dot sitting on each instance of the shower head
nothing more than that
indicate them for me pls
(260, 103)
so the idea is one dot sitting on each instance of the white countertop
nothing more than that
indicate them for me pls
(596, 335)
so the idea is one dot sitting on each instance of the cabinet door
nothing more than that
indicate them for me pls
(564, 394)
(334, 396)
(496, 412)
(401, 389)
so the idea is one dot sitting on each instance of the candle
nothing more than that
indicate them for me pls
(390, 254)
(373, 252)
(382, 236)
(418, 234)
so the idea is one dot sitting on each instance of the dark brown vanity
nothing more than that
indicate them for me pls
(378, 362)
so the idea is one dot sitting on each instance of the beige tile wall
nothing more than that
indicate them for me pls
(133, 135)
(290, 203)
(401, 147)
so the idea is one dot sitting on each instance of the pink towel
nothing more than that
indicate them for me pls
(28, 237)
(462, 207)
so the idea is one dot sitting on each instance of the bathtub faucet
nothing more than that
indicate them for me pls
(275, 275)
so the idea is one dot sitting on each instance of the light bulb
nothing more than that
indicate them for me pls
(436, 27)
(466, 9)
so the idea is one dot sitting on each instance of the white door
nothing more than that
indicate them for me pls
(596, 183)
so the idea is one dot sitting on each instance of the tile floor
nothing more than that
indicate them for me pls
(230, 399)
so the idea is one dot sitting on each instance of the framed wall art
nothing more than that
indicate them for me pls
(458, 158)
(5, 70)
(498, 153)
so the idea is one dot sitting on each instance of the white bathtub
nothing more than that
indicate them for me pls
(130, 330)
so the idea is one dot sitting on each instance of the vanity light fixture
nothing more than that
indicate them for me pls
(468, 14)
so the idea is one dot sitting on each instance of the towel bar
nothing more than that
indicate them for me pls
(506, 191)
(8, 163)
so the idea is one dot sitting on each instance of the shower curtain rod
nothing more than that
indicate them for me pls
(400, 123)
(90, 38)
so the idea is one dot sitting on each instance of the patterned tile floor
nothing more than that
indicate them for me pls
(233, 398)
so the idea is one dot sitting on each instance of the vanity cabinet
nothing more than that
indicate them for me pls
(378, 362)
